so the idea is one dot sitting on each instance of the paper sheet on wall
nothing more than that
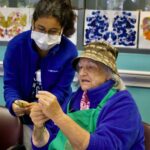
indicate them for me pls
(144, 30)
(116, 27)
(13, 21)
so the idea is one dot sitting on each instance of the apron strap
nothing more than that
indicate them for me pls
(110, 93)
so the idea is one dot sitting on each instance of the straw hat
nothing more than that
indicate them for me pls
(101, 52)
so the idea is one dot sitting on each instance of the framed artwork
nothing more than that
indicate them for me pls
(144, 30)
(13, 21)
(116, 27)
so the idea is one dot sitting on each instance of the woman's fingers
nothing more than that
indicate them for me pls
(17, 110)
(37, 112)
(44, 101)
(37, 115)
(46, 93)
(46, 98)
(49, 104)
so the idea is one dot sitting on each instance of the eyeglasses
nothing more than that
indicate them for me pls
(52, 31)
(90, 67)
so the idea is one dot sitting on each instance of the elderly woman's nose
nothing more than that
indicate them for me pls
(83, 71)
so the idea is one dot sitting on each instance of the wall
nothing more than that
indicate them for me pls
(142, 98)
(2, 51)
(140, 62)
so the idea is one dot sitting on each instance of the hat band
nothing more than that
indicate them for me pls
(107, 60)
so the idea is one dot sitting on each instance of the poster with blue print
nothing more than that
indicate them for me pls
(120, 28)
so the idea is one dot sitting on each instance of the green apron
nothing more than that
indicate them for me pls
(86, 119)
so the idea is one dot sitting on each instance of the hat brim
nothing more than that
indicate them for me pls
(76, 60)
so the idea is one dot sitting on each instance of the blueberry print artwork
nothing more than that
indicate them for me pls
(97, 25)
(117, 27)
(124, 27)
(144, 30)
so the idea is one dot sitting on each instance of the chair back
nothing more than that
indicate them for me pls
(147, 135)
(10, 129)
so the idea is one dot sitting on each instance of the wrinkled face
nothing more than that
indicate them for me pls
(48, 25)
(90, 73)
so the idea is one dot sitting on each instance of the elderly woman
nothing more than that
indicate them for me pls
(101, 114)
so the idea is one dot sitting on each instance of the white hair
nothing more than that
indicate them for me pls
(119, 84)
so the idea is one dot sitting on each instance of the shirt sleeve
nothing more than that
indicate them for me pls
(53, 130)
(45, 147)
(10, 65)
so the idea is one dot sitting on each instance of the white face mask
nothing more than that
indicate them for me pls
(45, 41)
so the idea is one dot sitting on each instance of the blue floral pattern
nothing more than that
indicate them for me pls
(117, 27)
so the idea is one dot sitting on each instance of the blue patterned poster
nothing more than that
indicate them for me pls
(117, 27)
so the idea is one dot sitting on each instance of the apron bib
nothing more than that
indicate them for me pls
(86, 119)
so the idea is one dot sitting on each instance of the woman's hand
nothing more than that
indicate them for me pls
(78, 137)
(49, 105)
(40, 134)
(20, 107)
(37, 116)
(28, 109)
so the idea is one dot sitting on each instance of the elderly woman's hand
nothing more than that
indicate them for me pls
(50, 105)
(37, 116)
